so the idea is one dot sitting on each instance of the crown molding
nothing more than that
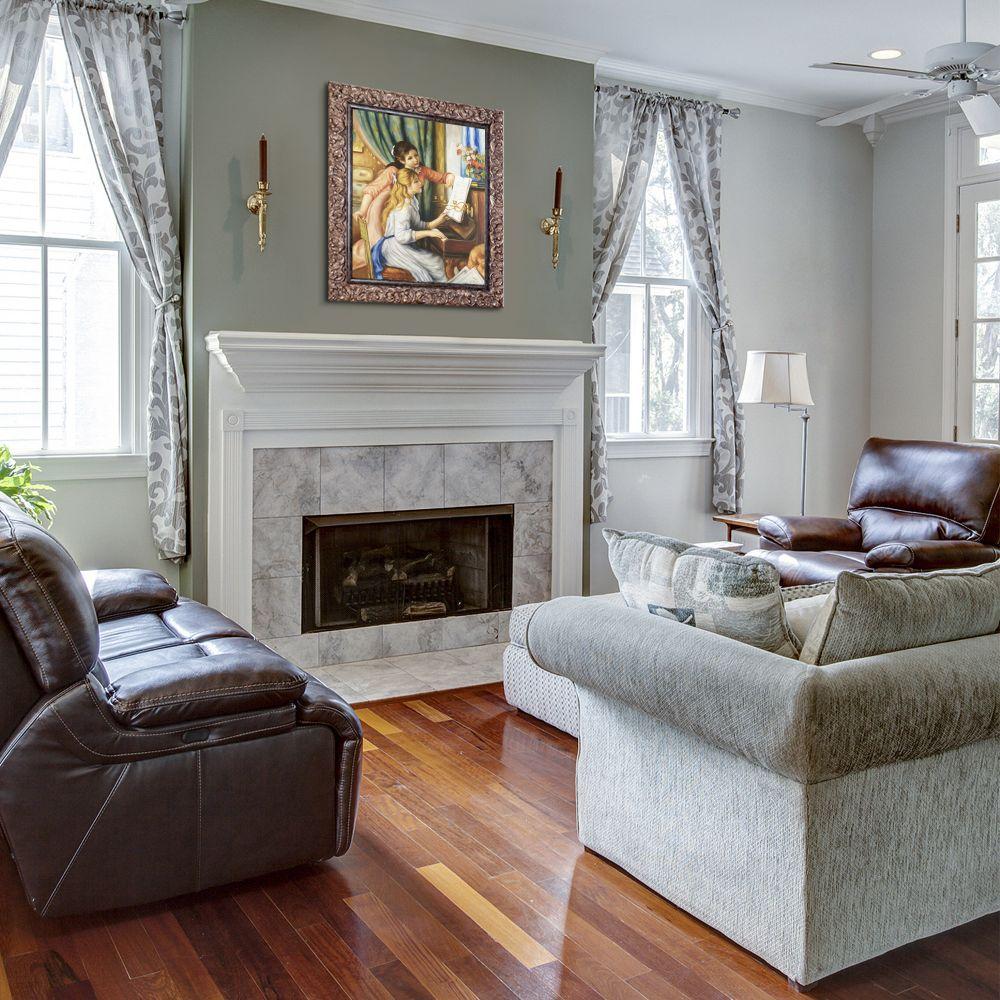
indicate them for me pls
(546, 45)
(703, 86)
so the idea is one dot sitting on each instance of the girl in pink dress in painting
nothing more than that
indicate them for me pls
(376, 194)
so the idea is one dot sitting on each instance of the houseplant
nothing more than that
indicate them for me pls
(15, 482)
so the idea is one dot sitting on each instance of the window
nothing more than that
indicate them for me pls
(67, 287)
(650, 369)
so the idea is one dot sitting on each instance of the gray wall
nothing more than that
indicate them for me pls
(796, 240)
(907, 368)
(259, 67)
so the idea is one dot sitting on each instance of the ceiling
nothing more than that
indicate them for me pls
(739, 49)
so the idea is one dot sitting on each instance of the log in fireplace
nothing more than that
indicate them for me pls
(399, 566)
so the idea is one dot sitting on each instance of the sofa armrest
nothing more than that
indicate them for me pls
(807, 723)
(929, 555)
(811, 534)
(117, 593)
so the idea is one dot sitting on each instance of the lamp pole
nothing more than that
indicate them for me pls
(805, 453)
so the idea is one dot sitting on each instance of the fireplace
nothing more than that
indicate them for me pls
(360, 570)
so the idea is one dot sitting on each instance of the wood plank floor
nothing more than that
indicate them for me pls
(465, 880)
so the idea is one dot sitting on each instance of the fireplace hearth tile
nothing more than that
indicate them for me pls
(285, 481)
(503, 621)
(352, 480)
(350, 644)
(277, 607)
(471, 474)
(469, 630)
(525, 471)
(412, 637)
(414, 476)
(302, 650)
(532, 529)
(277, 547)
(532, 579)
(373, 679)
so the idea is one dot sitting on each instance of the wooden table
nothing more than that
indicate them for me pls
(746, 523)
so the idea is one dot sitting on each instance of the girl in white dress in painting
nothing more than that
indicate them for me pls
(402, 227)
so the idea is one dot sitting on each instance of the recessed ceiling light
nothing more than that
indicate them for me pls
(886, 53)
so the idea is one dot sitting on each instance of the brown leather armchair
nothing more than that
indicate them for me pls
(914, 506)
(150, 746)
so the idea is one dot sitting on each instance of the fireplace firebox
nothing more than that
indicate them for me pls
(401, 566)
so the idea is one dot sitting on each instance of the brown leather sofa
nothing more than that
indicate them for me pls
(914, 506)
(150, 746)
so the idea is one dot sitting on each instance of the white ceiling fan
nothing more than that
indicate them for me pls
(962, 69)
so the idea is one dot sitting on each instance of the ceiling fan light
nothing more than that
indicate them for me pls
(885, 53)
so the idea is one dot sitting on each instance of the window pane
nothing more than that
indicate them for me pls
(623, 361)
(76, 204)
(989, 150)
(988, 350)
(664, 245)
(988, 290)
(988, 229)
(986, 415)
(19, 211)
(21, 348)
(667, 360)
(83, 350)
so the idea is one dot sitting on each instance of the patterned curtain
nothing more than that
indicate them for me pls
(693, 130)
(114, 51)
(22, 35)
(382, 131)
(625, 125)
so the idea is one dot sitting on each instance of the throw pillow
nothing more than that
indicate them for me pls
(643, 565)
(868, 614)
(736, 596)
(684, 616)
(801, 612)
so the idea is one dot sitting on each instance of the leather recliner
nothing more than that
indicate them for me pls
(914, 506)
(150, 746)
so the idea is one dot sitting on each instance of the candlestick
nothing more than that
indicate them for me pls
(263, 161)
(557, 199)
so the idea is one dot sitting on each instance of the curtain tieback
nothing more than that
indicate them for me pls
(173, 300)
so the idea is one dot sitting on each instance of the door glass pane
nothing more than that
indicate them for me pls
(623, 361)
(663, 241)
(988, 229)
(76, 204)
(83, 350)
(986, 411)
(19, 183)
(988, 290)
(988, 350)
(21, 348)
(667, 360)
(989, 150)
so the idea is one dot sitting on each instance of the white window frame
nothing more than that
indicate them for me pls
(134, 341)
(696, 442)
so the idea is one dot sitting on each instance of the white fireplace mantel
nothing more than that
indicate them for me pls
(294, 390)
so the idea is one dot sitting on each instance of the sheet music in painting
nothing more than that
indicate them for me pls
(458, 198)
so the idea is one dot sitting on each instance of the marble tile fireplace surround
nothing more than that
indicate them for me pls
(304, 426)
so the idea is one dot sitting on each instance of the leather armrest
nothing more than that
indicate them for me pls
(811, 534)
(208, 687)
(929, 555)
(117, 593)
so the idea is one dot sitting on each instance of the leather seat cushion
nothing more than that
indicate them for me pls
(800, 568)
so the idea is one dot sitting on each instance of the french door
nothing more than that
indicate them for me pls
(978, 327)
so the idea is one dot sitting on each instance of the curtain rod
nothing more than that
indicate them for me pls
(733, 113)
(164, 12)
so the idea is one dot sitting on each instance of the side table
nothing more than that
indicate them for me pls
(747, 523)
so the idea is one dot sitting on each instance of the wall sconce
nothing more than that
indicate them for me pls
(257, 202)
(550, 226)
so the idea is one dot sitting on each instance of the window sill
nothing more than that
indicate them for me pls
(59, 468)
(658, 447)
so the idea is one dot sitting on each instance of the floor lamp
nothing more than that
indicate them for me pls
(780, 378)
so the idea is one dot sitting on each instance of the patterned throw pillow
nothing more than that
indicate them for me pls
(683, 616)
(735, 596)
(643, 564)
(868, 614)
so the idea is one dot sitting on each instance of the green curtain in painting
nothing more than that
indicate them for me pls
(382, 131)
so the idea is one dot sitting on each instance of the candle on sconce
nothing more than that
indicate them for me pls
(557, 199)
(263, 161)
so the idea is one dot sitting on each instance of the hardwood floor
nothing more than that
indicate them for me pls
(465, 880)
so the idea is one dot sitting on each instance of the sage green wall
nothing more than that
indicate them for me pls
(260, 67)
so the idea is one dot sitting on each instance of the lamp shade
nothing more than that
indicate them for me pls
(777, 377)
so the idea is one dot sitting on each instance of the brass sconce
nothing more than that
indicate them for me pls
(550, 226)
(257, 202)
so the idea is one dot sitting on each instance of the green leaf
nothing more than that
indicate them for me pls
(16, 483)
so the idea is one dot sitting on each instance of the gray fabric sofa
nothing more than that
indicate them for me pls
(818, 816)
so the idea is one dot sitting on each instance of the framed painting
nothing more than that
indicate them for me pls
(415, 200)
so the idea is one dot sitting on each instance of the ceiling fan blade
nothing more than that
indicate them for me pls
(875, 107)
(983, 113)
(988, 60)
(913, 74)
